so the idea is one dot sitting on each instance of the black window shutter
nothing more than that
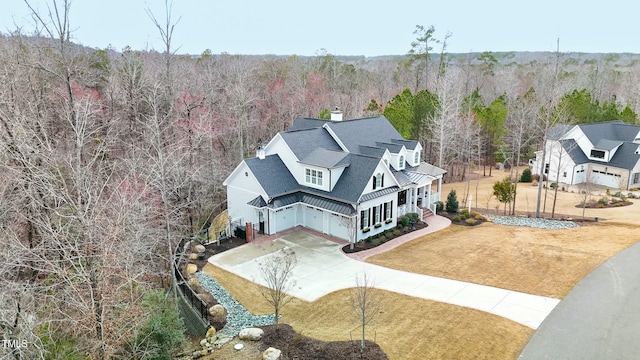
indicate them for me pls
(382, 182)
(385, 209)
(374, 182)
(369, 211)
(361, 220)
(391, 211)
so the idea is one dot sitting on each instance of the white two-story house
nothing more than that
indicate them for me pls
(332, 176)
(606, 154)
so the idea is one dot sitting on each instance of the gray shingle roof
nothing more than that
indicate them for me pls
(303, 123)
(607, 136)
(272, 174)
(367, 131)
(611, 130)
(325, 158)
(409, 144)
(574, 151)
(606, 144)
(303, 142)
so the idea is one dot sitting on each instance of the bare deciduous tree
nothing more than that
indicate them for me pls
(276, 272)
(366, 302)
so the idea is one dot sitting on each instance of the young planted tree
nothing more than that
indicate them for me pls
(452, 205)
(366, 302)
(504, 191)
(276, 273)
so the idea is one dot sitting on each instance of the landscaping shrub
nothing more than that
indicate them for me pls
(457, 218)
(479, 217)
(474, 214)
(439, 206)
(413, 216)
(452, 205)
(535, 178)
(404, 221)
(471, 221)
(526, 176)
(396, 232)
(553, 185)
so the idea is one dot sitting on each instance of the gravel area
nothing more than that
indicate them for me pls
(532, 222)
(238, 317)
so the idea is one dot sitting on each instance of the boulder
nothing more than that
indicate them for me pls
(271, 354)
(193, 256)
(218, 313)
(204, 343)
(199, 248)
(251, 334)
(193, 282)
(191, 268)
(206, 297)
(210, 332)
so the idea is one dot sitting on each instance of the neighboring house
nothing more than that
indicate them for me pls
(606, 153)
(333, 176)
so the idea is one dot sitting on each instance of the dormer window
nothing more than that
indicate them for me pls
(401, 162)
(416, 158)
(378, 181)
(597, 154)
(313, 177)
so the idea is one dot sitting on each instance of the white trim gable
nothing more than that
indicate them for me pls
(388, 180)
(242, 187)
(395, 159)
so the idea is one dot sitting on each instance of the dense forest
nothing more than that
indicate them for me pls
(109, 157)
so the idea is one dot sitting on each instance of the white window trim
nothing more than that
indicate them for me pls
(313, 177)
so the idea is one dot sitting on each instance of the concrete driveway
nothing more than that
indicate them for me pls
(322, 268)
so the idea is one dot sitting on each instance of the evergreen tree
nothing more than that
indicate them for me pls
(452, 202)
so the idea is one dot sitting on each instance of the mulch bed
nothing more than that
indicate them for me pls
(296, 346)
(375, 242)
(463, 222)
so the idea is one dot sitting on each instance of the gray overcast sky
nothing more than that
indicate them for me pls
(344, 27)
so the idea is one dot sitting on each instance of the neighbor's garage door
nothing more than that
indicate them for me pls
(314, 218)
(285, 218)
(606, 179)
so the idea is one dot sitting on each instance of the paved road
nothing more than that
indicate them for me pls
(599, 319)
(322, 268)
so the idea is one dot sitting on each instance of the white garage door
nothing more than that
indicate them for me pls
(285, 218)
(314, 218)
(606, 179)
(337, 228)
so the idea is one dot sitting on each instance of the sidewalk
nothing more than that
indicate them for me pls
(322, 268)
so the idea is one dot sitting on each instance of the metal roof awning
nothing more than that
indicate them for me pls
(311, 200)
(257, 202)
(376, 194)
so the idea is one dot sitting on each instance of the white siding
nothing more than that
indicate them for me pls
(384, 226)
(242, 187)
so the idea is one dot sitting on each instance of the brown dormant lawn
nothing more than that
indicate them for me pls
(536, 261)
(408, 328)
